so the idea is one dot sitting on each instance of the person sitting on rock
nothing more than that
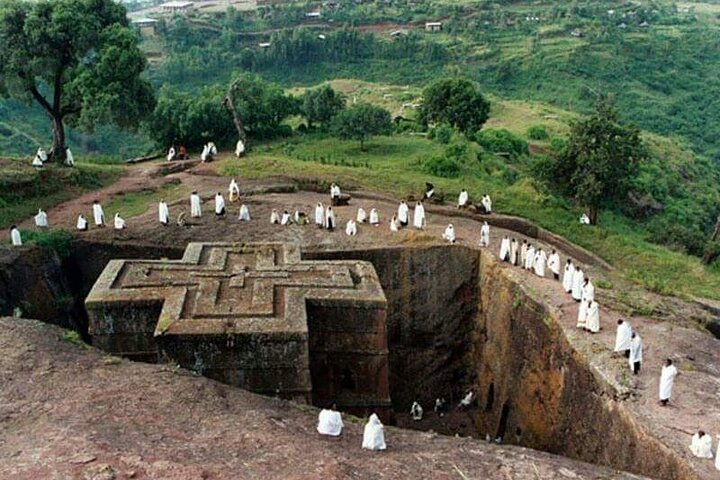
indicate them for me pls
(330, 421)
(701, 445)
(416, 411)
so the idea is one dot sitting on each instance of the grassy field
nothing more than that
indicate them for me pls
(391, 165)
(23, 189)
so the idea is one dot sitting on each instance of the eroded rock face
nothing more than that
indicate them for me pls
(69, 411)
(536, 390)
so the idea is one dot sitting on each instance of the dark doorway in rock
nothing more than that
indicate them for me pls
(502, 426)
(490, 398)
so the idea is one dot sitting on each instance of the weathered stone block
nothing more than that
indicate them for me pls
(252, 315)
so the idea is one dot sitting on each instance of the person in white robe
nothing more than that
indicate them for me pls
(568, 276)
(582, 315)
(394, 224)
(234, 191)
(463, 199)
(239, 148)
(588, 290)
(419, 216)
(623, 337)
(330, 218)
(41, 219)
(416, 411)
(584, 219)
(244, 213)
(171, 154)
(467, 400)
(717, 455)
(285, 219)
(195, 205)
(374, 217)
(593, 317)
(701, 445)
(429, 191)
(330, 422)
(554, 264)
(37, 163)
(119, 222)
(82, 223)
(334, 192)
(539, 263)
(361, 215)
(667, 379)
(513, 252)
(219, 205)
(530, 258)
(42, 154)
(274, 217)
(577, 284)
(374, 434)
(449, 234)
(523, 253)
(205, 155)
(403, 214)
(635, 355)
(69, 159)
(487, 203)
(319, 215)
(15, 237)
(163, 213)
(485, 235)
(505, 249)
(351, 228)
(212, 149)
(98, 214)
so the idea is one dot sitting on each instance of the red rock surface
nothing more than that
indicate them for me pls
(68, 411)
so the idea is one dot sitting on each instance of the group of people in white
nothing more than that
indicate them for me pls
(41, 157)
(330, 423)
(208, 153)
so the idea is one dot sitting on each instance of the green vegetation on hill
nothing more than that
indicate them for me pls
(24, 189)
(392, 165)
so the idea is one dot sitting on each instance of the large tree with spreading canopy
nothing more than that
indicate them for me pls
(600, 162)
(78, 59)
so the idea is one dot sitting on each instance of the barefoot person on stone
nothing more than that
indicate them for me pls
(667, 379)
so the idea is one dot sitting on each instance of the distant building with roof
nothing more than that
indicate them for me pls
(178, 6)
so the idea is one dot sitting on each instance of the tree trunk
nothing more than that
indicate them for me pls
(229, 103)
(593, 215)
(58, 148)
(712, 253)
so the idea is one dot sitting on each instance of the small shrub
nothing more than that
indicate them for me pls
(58, 240)
(441, 166)
(443, 133)
(502, 141)
(604, 284)
(537, 132)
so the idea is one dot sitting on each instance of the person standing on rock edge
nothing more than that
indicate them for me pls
(635, 356)
(219, 205)
(505, 249)
(554, 264)
(195, 208)
(568, 276)
(513, 252)
(485, 235)
(667, 379)
(163, 213)
(98, 214)
(623, 338)
(15, 236)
